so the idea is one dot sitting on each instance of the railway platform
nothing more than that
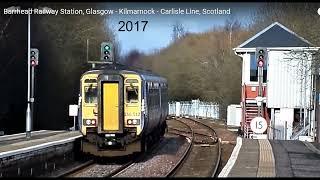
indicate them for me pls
(273, 158)
(16, 149)
(17, 143)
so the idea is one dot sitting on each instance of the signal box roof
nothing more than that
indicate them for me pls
(275, 35)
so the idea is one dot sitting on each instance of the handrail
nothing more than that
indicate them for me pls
(302, 131)
(244, 93)
(243, 106)
(266, 115)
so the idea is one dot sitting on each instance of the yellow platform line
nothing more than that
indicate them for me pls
(266, 159)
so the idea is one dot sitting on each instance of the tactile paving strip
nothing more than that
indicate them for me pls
(266, 160)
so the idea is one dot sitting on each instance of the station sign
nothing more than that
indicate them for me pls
(73, 110)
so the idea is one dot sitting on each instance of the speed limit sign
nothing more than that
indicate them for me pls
(258, 125)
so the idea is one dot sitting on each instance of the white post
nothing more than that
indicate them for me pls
(74, 123)
(178, 109)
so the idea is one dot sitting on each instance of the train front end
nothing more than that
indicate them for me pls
(111, 113)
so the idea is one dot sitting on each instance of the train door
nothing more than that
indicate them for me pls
(110, 114)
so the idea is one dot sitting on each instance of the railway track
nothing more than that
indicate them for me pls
(218, 141)
(199, 134)
(174, 170)
(92, 169)
(75, 169)
(203, 138)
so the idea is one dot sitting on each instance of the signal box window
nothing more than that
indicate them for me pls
(132, 94)
(91, 94)
(254, 69)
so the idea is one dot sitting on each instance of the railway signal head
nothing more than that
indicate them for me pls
(107, 51)
(261, 56)
(34, 56)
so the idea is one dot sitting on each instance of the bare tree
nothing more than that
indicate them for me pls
(230, 26)
(178, 31)
(133, 57)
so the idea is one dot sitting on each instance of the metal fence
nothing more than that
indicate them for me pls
(194, 108)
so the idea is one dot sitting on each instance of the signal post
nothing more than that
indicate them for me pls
(260, 56)
(259, 124)
(33, 61)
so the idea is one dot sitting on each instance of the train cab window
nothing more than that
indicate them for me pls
(91, 94)
(132, 94)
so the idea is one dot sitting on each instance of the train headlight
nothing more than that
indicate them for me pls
(133, 121)
(88, 121)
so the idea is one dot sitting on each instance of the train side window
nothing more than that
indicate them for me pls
(132, 93)
(91, 94)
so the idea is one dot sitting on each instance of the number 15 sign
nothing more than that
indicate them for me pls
(258, 125)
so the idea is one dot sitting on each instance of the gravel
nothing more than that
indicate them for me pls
(159, 162)
(98, 170)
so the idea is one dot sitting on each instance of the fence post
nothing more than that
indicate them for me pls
(285, 130)
(178, 109)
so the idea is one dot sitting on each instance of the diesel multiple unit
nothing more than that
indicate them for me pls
(121, 111)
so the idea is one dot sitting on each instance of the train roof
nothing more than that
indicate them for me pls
(120, 68)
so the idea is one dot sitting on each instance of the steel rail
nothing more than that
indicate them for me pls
(186, 154)
(123, 168)
(215, 169)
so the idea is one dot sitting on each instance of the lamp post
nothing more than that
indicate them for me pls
(30, 101)
(29, 117)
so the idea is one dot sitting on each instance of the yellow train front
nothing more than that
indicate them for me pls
(121, 111)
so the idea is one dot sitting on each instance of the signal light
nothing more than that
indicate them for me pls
(107, 47)
(106, 51)
(261, 51)
(260, 63)
(34, 56)
(260, 56)
(33, 63)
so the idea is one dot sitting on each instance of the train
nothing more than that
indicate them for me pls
(122, 110)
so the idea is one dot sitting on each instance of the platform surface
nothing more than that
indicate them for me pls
(18, 143)
(273, 158)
